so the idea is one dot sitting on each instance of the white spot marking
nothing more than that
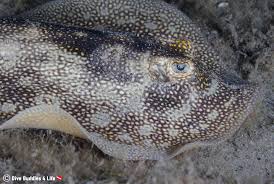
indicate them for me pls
(231, 100)
(145, 130)
(173, 132)
(101, 119)
(7, 107)
(47, 99)
(213, 115)
(194, 131)
(204, 126)
(125, 137)
(151, 25)
(213, 87)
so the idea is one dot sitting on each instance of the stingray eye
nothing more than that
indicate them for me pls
(180, 67)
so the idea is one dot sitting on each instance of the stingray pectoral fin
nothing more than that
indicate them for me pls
(46, 117)
(125, 151)
(54, 118)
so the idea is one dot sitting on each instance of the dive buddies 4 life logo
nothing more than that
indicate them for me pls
(9, 178)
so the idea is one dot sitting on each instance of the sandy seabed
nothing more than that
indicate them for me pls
(242, 32)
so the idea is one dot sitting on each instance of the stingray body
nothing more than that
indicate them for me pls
(143, 18)
(135, 99)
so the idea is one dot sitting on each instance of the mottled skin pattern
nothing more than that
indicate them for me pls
(144, 18)
(127, 94)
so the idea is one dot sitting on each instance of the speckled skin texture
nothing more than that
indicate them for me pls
(124, 92)
(144, 18)
(121, 90)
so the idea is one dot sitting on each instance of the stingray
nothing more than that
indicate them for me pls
(135, 89)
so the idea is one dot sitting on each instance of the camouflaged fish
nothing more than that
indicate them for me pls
(143, 18)
(133, 98)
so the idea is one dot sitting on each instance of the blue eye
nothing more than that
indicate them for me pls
(180, 67)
